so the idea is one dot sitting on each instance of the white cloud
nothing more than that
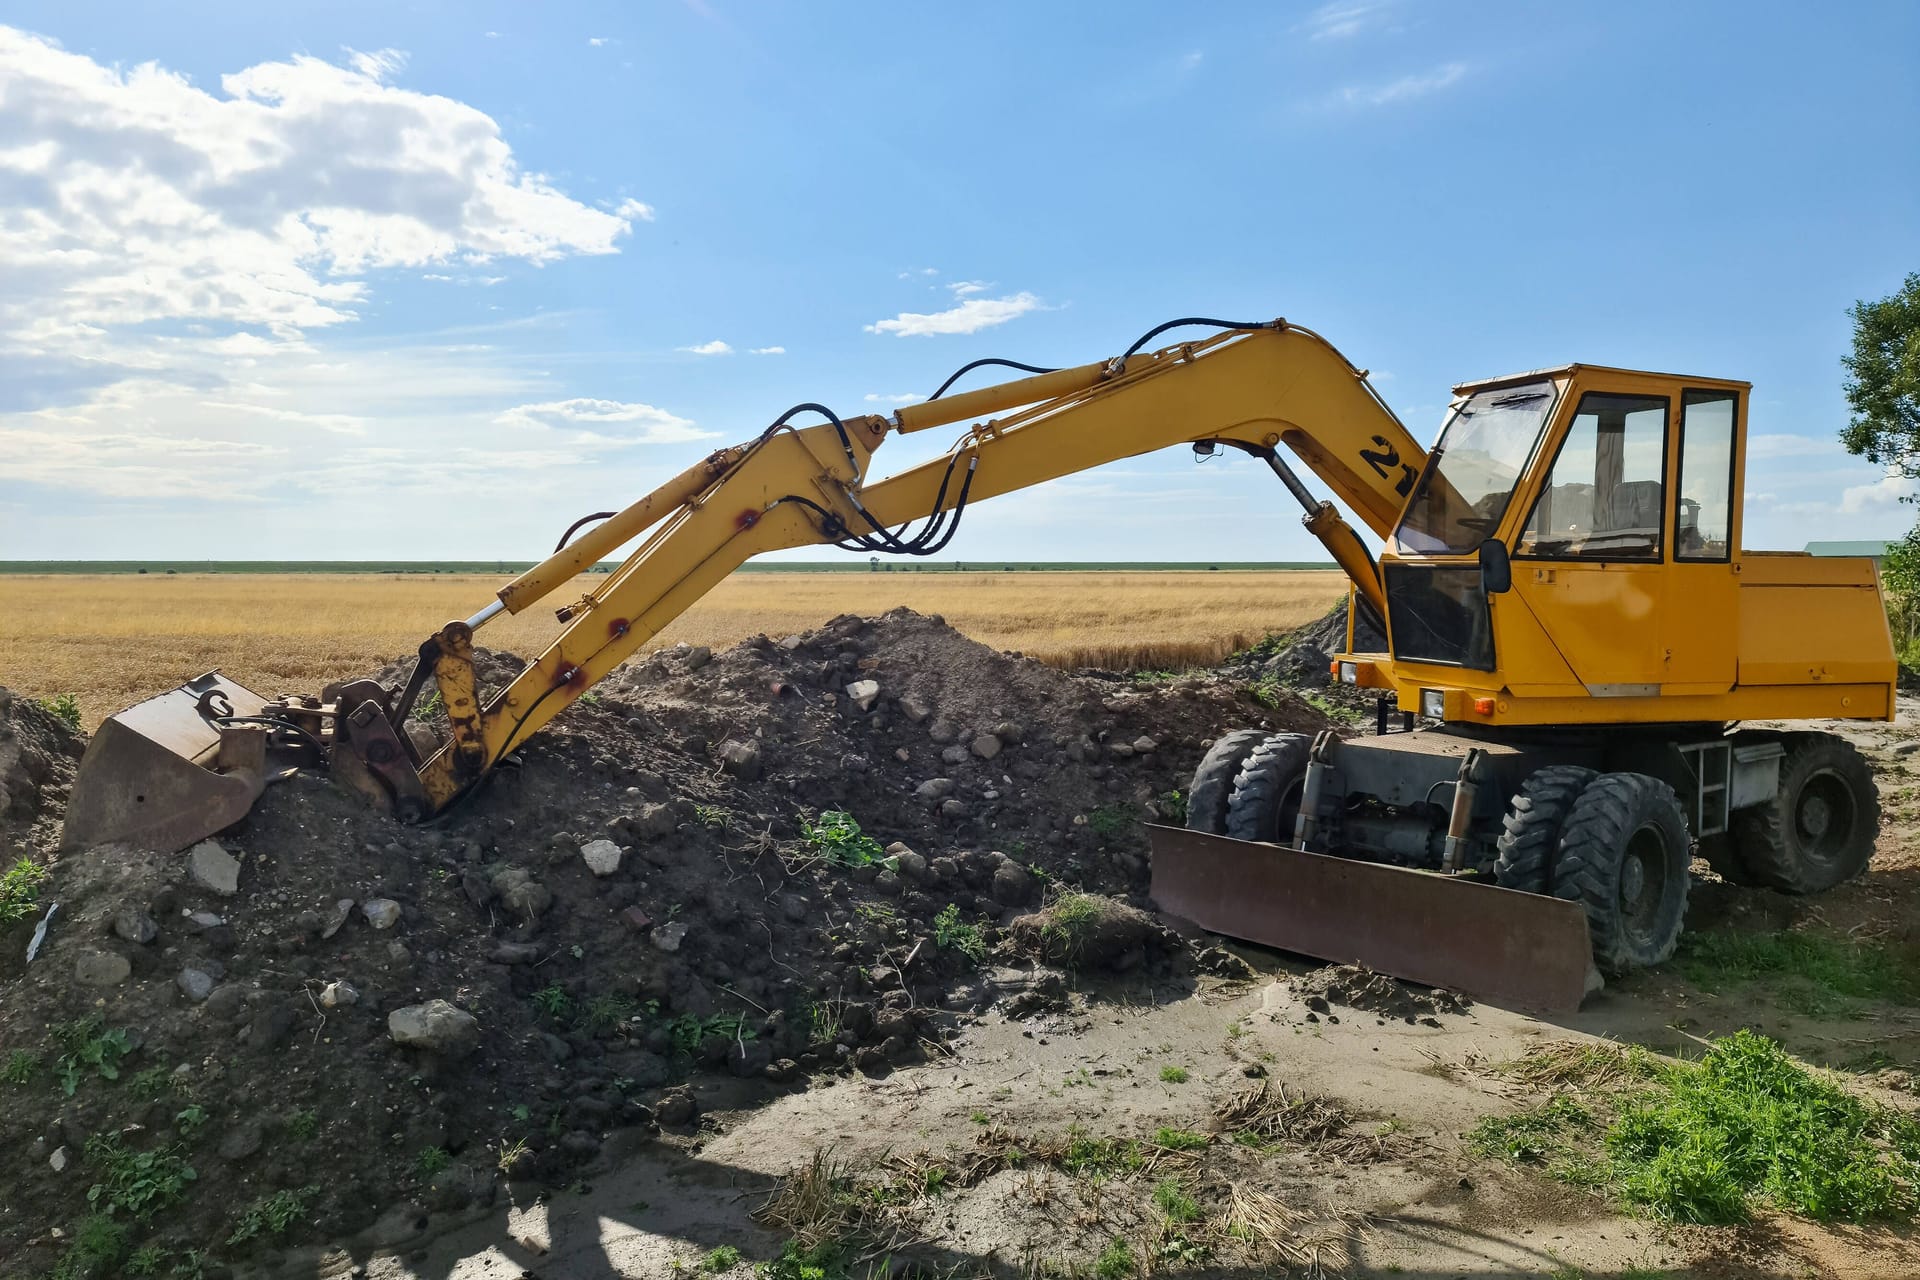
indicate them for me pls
(970, 316)
(714, 348)
(1190, 62)
(634, 210)
(381, 64)
(872, 398)
(1345, 18)
(768, 351)
(967, 288)
(921, 271)
(1405, 89)
(1783, 445)
(139, 196)
(653, 426)
(1883, 495)
(597, 41)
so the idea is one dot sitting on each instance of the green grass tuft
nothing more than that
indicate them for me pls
(1179, 1207)
(20, 889)
(1173, 1075)
(1179, 1139)
(723, 1258)
(1115, 1262)
(1842, 966)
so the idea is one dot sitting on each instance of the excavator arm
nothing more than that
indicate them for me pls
(1248, 387)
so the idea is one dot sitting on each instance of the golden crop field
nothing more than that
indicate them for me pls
(115, 638)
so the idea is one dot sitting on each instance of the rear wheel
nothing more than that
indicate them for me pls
(1266, 794)
(1623, 855)
(1213, 779)
(1533, 825)
(1819, 828)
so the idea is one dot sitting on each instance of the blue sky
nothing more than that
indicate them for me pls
(416, 281)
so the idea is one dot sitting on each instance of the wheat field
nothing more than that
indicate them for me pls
(112, 639)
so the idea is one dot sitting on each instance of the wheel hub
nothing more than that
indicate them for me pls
(1815, 816)
(1633, 881)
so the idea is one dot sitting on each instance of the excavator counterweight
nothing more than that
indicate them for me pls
(1573, 634)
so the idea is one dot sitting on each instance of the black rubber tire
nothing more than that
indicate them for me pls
(1213, 779)
(1266, 795)
(1819, 828)
(1531, 831)
(1722, 853)
(1624, 855)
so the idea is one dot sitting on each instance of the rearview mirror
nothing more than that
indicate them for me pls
(1496, 571)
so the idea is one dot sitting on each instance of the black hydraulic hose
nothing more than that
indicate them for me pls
(274, 722)
(1185, 321)
(965, 369)
(574, 528)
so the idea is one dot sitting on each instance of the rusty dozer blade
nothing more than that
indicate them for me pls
(1515, 950)
(163, 773)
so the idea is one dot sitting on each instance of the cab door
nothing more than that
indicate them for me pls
(1700, 613)
(1588, 561)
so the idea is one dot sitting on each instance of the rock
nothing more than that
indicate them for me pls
(1145, 745)
(1009, 731)
(58, 1160)
(213, 868)
(341, 910)
(1120, 750)
(887, 882)
(399, 958)
(195, 984)
(933, 789)
(101, 968)
(635, 920)
(954, 809)
(131, 924)
(1013, 885)
(424, 739)
(381, 913)
(227, 1003)
(741, 759)
(651, 821)
(668, 937)
(780, 1070)
(914, 707)
(698, 656)
(601, 856)
(986, 746)
(521, 894)
(911, 866)
(864, 693)
(240, 1142)
(338, 995)
(436, 1026)
(943, 731)
(790, 643)
(205, 920)
(955, 754)
(676, 1106)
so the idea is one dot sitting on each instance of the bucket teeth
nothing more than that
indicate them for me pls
(164, 773)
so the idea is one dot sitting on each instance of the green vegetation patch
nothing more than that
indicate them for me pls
(20, 889)
(1707, 1141)
(1862, 970)
(951, 933)
(836, 837)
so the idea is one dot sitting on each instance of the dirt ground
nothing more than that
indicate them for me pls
(657, 1051)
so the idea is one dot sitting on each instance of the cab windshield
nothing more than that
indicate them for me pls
(1473, 469)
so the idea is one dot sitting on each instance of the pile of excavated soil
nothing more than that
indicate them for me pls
(38, 755)
(1376, 993)
(327, 1015)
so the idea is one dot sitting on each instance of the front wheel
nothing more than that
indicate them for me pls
(1624, 856)
(1266, 794)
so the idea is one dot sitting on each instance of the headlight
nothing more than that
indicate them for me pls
(1349, 673)
(1433, 704)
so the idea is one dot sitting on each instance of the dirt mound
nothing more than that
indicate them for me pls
(1371, 992)
(38, 755)
(784, 858)
(1302, 659)
(1087, 931)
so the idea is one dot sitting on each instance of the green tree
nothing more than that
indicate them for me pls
(1883, 380)
(1900, 578)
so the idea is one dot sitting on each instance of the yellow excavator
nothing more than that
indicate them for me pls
(1573, 633)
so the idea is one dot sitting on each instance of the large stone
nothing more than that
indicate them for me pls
(915, 707)
(933, 790)
(436, 1026)
(131, 924)
(668, 937)
(986, 746)
(337, 919)
(1013, 885)
(602, 857)
(943, 731)
(741, 759)
(337, 995)
(381, 913)
(213, 868)
(651, 821)
(101, 968)
(520, 893)
(864, 693)
(195, 984)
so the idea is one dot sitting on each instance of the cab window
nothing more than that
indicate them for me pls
(1703, 521)
(1605, 498)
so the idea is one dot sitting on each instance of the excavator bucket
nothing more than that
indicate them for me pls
(167, 771)
(1515, 950)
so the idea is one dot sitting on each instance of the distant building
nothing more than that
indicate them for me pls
(1873, 550)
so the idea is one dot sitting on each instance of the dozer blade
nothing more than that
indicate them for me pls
(1515, 950)
(148, 778)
